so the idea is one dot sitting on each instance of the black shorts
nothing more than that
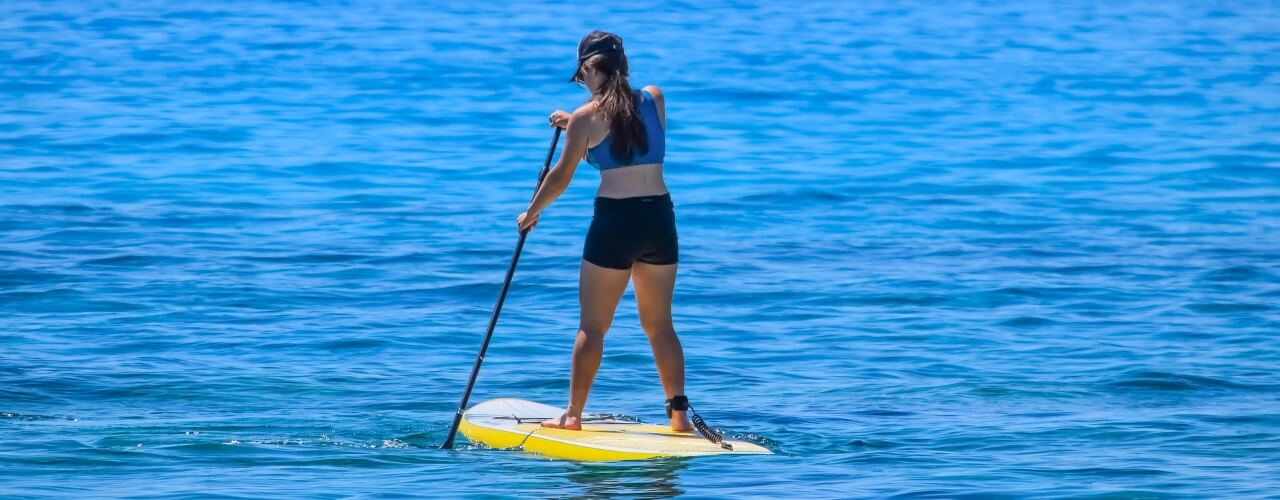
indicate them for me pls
(625, 230)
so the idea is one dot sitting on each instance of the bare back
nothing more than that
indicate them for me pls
(634, 180)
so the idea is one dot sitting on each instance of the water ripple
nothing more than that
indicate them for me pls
(928, 251)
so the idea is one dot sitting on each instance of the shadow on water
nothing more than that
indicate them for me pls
(629, 479)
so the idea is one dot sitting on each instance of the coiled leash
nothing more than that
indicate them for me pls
(681, 403)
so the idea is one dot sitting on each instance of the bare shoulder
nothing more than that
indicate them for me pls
(583, 118)
(585, 112)
(656, 93)
(587, 122)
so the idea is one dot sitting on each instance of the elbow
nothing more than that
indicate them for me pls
(557, 180)
(564, 183)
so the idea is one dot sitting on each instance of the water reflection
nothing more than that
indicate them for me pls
(645, 479)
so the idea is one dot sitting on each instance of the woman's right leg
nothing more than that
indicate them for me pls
(654, 285)
(599, 290)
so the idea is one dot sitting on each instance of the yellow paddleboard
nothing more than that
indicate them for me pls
(515, 423)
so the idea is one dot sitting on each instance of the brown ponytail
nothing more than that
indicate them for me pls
(615, 99)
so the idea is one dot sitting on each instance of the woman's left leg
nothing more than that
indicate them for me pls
(599, 290)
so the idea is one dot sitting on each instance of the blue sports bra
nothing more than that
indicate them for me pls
(601, 156)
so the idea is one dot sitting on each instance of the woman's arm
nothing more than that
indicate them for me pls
(575, 147)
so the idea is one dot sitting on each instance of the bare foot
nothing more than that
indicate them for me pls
(680, 421)
(564, 422)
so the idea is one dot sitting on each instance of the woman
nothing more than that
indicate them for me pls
(632, 235)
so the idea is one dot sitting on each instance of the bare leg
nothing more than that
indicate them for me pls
(654, 285)
(599, 290)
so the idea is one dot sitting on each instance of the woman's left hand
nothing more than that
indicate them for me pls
(525, 221)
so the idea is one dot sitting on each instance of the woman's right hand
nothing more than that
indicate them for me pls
(559, 119)
(526, 222)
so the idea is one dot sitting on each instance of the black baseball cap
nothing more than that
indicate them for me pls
(596, 42)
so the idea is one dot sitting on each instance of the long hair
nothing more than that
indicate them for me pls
(615, 99)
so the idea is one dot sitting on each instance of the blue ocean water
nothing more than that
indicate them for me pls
(930, 250)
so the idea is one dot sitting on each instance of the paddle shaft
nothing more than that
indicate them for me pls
(497, 307)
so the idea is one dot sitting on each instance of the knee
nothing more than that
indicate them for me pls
(657, 326)
(592, 333)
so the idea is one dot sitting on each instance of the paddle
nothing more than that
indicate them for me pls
(497, 308)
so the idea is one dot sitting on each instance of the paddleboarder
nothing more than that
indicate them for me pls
(622, 132)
